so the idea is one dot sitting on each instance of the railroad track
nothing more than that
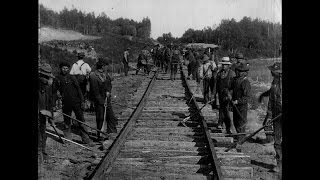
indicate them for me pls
(153, 144)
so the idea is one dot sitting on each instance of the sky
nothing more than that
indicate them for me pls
(176, 16)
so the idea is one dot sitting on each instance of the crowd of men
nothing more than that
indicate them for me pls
(225, 86)
(74, 86)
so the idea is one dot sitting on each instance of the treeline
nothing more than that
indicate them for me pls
(88, 23)
(254, 38)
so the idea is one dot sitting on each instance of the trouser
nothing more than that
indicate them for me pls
(206, 89)
(238, 122)
(213, 85)
(173, 70)
(76, 108)
(139, 67)
(224, 115)
(42, 137)
(195, 74)
(126, 68)
(110, 119)
(146, 69)
(277, 129)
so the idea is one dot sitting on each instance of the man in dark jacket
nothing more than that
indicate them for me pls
(72, 100)
(140, 64)
(175, 60)
(240, 95)
(125, 61)
(45, 106)
(224, 80)
(100, 88)
(274, 109)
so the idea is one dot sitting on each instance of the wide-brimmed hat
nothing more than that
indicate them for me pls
(225, 60)
(239, 56)
(205, 58)
(45, 69)
(81, 55)
(276, 67)
(242, 67)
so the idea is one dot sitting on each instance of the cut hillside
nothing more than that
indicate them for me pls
(109, 46)
(49, 34)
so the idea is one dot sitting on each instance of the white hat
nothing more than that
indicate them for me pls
(225, 60)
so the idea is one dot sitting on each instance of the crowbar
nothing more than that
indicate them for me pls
(82, 122)
(69, 141)
(187, 118)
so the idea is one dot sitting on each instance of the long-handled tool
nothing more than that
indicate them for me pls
(187, 118)
(82, 122)
(234, 145)
(69, 140)
(51, 123)
(104, 125)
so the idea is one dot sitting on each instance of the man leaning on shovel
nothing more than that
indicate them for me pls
(100, 93)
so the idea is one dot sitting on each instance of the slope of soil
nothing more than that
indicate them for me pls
(49, 34)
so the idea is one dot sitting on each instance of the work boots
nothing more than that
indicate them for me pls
(67, 132)
(86, 140)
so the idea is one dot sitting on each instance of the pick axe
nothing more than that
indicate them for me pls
(234, 145)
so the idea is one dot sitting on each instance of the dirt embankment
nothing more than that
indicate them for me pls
(49, 34)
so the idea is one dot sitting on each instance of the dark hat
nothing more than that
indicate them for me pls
(239, 56)
(128, 48)
(242, 67)
(81, 55)
(276, 67)
(45, 69)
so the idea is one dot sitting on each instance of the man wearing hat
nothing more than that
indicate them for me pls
(175, 60)
(45, 106)
(72, 100)
(224, 81)
(125, 61)
(81, 70)
(240, 96)
(239, 59)
(274, 109)
(205, 73)
(100, 93)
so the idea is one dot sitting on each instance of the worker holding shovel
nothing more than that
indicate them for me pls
(100, 93)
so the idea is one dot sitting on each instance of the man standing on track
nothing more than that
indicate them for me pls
(125, 61)
(205, 73)
(45, 105)
(100, 89)
(274, 109)
(175, 60)
(72, 100)
(224, 81)
(240, 95)
(81, 69)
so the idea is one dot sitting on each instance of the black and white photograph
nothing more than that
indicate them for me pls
(160, 90)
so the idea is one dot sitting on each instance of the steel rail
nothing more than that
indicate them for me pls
(216, 165)
(102, 168)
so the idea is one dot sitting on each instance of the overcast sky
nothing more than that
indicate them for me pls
(176, 16)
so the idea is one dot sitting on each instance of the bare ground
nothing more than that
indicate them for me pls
(69, 161)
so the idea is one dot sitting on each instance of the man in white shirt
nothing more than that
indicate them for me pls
(81, 70)
(205, 72)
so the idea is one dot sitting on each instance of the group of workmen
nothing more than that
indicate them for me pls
(73, 87)
(225, 86)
